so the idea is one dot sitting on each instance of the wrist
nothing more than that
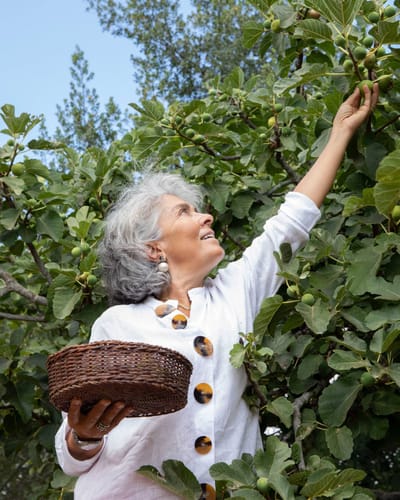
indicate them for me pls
(85, 444)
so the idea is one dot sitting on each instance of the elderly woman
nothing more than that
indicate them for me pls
(157, 252)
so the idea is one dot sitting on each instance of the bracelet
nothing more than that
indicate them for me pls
(87, 444)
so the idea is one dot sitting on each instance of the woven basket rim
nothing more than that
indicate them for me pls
(153, 379)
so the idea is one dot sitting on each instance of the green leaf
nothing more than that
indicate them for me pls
(16, 184)
(64, 301)
(382, 340)
(237, 355)
(337, 399)
(282, 408)
(251, 33)
(340, 442)
(313, 28)
(386, 402)
(241, 205)
(218, 194)
(346, 360)
(51, 223)
(308, 73)
(342, 12)
(151, 109)
(394, 372)
(239, 473)
(387, 188)
(309, 365)
(9, 217)
(177, 479)
(267, 311)
(274, 460)
(386, 32)
(317, 316)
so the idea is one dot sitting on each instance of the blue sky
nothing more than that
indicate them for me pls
(38, 37)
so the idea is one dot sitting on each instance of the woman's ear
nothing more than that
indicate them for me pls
(153, 251)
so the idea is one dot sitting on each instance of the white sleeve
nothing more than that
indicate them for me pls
(254, 277)
(70, 465)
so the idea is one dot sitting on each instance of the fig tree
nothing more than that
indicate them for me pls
(262, 484)
(367, 379)
(76, 252)
(85, 247)
(292, 291)
(368, 41)
(276, 25)
(370, 61)
(373, 17)
(396, 213)
(348, 65)
(340, 41)
(308, 298)
(360, 52)
(364, 83)
(91, 280)
(18, 169)
(189, 132)
(389, 11)
(198, 139)
(313, 14)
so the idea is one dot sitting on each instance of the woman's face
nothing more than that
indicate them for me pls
(187, 241)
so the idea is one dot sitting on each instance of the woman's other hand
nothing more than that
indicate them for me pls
(100, 420)
(355, 109)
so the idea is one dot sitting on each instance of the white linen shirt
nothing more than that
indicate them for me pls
(221, 309)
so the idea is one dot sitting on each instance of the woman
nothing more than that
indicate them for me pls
(157, 252)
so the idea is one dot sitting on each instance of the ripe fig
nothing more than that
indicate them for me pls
(276, 25)
(364, 83)
(396, 213)
(360, 52)
(308, 298)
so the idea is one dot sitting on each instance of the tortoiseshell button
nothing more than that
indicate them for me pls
(203, 445)
(203, 393)
(203, 346)
(179, 322)
(164, 309)
(207, 492)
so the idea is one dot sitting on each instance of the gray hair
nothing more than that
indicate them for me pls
(129, 275)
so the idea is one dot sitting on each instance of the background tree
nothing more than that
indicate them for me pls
(81, 123)
(323, 356)
(180, 45)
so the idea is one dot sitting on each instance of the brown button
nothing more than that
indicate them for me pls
(179, 322)
(203, 346)
(203, 445)
(207, 492)
(203, 393)
(164, 309)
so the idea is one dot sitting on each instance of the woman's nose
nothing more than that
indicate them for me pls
(205, 219)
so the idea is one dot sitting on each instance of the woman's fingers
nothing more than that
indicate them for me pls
(100, 420)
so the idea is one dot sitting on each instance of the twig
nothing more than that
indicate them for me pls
(22, 317)
(237, 243)
(45, 273)
(288, 169)
(298, 403)
(12, 285)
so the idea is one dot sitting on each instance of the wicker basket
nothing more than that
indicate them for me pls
(152, 379)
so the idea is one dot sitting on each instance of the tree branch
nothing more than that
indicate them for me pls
(288, 169)
(298, 403)
(12, 285)
(45, 273)
(22, 317)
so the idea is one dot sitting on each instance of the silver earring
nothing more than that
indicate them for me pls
(163, 265)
